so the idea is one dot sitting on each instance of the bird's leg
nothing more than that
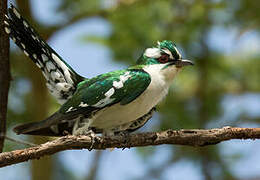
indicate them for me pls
(81, 127)
(134, 126)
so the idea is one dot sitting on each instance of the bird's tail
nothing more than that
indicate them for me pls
(47, 127)
(61, 78)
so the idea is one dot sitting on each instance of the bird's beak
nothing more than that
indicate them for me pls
(183, 62)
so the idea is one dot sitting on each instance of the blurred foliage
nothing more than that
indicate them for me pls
(196, 96)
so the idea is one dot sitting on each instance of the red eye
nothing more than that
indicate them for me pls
(164, 58)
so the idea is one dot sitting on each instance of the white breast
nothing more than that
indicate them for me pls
(117, 115)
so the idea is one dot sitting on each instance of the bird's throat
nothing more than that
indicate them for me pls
(169, 73)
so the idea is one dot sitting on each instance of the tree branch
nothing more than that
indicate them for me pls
(4, 73)
(189, 137)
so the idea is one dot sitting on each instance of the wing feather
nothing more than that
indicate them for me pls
(122, 87)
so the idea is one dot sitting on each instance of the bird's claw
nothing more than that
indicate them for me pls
(125, 135)
(93, 137)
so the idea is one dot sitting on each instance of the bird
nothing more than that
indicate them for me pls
(111, 103)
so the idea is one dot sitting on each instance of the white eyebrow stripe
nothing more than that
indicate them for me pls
(177, 52)
(168, 52)
(152, 52)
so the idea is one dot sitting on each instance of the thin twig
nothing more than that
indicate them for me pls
(20, 141)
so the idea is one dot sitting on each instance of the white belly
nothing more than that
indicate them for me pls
(117, 115)
(122, 115)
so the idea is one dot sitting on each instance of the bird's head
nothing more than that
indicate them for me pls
(165, 53)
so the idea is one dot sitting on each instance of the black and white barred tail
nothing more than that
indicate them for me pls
(61, 78)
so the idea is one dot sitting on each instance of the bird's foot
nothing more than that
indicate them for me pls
(87, 132)
(126, 136)
(93, 137)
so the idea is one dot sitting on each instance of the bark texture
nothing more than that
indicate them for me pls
(5, 76)
(189, 137)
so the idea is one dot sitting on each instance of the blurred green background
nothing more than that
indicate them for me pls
(97, 36)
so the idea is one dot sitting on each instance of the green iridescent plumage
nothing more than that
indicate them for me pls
(162, 46)
(171, 47)
(91, 92)
(113, 102)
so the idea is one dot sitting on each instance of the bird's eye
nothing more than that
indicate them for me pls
(163, 58)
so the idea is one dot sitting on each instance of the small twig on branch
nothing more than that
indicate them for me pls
(20, 141)
(189, 137)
